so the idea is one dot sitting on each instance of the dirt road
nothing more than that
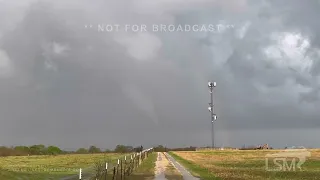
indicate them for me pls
(184, 172)
(167, 168)
(160, 167)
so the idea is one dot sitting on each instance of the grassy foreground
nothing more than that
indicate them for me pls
(146, 169)
(49, 167)
(245, 165)
(171, 173)
(194, 168)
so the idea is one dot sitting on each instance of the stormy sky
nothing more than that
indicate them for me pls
(64, 84)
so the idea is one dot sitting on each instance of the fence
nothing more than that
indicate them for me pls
(119, 171)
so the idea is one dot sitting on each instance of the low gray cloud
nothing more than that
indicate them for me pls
(64, 84)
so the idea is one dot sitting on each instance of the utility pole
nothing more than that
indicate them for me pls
(211, 86)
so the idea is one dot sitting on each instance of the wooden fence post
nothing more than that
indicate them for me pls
(118, 169)
(114, 173)
(131, 161)
(105, 176)
(121, 169)
(125, 165)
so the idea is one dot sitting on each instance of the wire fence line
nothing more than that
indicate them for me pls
(118, 170)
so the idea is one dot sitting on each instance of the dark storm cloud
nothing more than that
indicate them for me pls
(67, 85)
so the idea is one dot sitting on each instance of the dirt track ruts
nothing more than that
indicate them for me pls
(163, 160)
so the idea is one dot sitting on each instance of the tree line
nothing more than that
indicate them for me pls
(41, 149)
(161, 148)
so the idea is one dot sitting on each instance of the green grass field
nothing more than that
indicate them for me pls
(245, 165)
(49, 167)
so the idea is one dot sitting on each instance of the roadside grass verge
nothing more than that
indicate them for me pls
(146, 170)
(171, 173)
(195, 169)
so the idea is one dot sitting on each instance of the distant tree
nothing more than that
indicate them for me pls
(5, 151)
(24, 149)
(38, 149)
(67, 152)
(107, 150)
(94, 149)
(121, 149)
(160, 148)
(53, 150)
(129, 149)
(138, 149)
(82, 151)
(12, 151)
(191, 148)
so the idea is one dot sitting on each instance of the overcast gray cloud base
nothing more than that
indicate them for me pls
(62, 83)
